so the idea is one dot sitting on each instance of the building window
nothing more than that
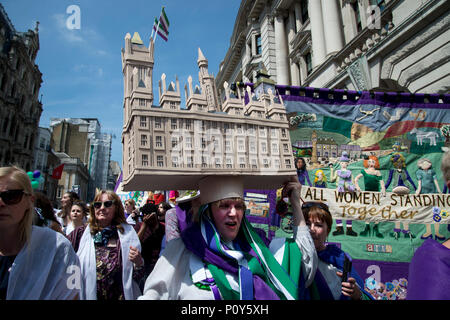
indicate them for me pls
(308, 62)
(143, 121)
(285, 147)
(174, 162)
(252, 146)
(273, 133)
(143, 140)
(283, 133)
(173, 124)
(218, 163)
(258, 44)
(304, 8)
(203, 143)
(242, 162)
(262, 131)
(158, 123)
(241, 145)
(229, 163)
(188, 142)
(275, 148)
(287, 162)
(263, 147)
(174, 142)
(227, 146)
(141, 102)
(190, 162)
(144, 160)
(159, 141)
(357, 14)
(266, 163)
(188, 123)
(254, 164)
(160, 161)
(173, 106)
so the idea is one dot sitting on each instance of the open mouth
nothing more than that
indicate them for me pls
(231, 224)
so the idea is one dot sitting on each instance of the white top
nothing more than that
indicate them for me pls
(47, 268)
(171, 277)
(86, 253)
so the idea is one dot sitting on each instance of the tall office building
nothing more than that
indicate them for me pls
(82, 139)
(20, 81)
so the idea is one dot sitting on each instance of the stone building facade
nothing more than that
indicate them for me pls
(167, 147)
(81, 140)
(20, 81)
(379, 45)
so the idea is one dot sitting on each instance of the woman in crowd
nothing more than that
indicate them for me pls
(78, 216)
(109, 251)
(132, 214)
(302, 173)
(63, 215)
(150, 232)
(328, 283)
(44, 213)
(163, 207)
(220, 256)
(35, 263)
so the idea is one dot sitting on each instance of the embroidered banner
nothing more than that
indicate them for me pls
(376, 207)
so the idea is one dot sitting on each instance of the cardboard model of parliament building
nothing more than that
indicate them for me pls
(168, 147)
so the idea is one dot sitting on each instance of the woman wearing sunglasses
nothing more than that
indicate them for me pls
(328, 281)
(109, 251)
(36, 263)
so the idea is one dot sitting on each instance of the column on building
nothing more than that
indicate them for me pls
(333, 27)
(293, 62)
(281, 49)
(317, 32)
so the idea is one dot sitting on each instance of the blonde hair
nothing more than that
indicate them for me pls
(20, 177)
(316, 176)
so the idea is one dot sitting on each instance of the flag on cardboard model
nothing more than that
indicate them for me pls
(57, 172)
(162, 26)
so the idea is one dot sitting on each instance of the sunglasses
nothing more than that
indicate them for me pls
(106, 204)
(11, 197)
(311, 204)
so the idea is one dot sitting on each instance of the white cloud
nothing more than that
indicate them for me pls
(86, 38)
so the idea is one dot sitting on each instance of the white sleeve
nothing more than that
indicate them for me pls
(306, 246)
(309, 253)
(165, 280)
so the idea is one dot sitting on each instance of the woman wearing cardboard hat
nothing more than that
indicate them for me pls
(220, 256)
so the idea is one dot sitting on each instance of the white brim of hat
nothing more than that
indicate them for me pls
(188, 196)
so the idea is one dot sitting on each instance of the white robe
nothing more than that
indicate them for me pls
(171, 277)
(45, 269)
(86, 253)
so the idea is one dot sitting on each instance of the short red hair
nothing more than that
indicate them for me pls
(374, 158)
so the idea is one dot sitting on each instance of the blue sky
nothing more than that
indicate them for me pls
(82, 76)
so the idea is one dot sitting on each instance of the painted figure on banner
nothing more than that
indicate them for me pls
(302, 173)
(373, 181)
(344, 182)
(401, 178)
(427, 183)
(320, 180)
